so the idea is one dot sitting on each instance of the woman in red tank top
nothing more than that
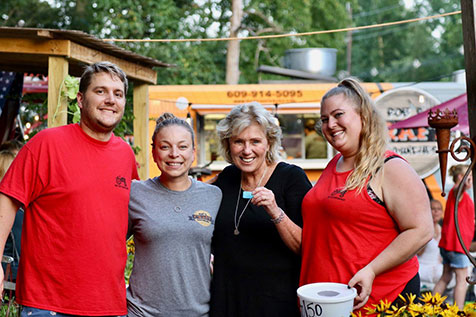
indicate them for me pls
(368, 214)
(454, 258)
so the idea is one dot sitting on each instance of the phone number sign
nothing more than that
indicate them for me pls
(265, 96)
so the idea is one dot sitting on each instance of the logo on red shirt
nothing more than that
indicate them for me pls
(338, 194)
(121, 182)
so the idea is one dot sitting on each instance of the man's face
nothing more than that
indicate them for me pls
(102, 105)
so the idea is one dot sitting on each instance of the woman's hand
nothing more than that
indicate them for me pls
(362, 281)
(265, 198)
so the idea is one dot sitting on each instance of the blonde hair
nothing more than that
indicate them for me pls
(241, 117)
(373, 136)
(6, 159)
(457, 170)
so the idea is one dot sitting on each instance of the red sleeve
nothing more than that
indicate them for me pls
(23, 180)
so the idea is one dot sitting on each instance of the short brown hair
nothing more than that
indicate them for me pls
(101, 67)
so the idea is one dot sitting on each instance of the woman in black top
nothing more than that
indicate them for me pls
(257, 237)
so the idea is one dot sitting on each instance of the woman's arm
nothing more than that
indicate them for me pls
(407, 202)
(289, 231)
(296, 188)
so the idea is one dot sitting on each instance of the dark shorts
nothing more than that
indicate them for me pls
(36, 312)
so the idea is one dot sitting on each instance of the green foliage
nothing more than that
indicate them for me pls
(129, 265)
(419, 51)
(28, 13)
(34, 111)
(409, 52)
(266, 17)
(9, 307)
(70, 91)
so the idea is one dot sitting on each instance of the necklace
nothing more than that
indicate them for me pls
(176, 208)
(237, 222)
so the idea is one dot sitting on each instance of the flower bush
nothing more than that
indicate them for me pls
(130, 258)
(430, 306)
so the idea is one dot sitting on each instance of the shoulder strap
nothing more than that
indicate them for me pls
(371, 192)
(388, 158)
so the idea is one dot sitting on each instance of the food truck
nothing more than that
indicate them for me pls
(295, 106)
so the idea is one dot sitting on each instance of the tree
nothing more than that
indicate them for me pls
(28, 13)
(233, 48)
(196, 62)
(449, 35)
(266, 17)
(407, 52)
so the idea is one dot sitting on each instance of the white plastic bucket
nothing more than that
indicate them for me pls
(326, 300)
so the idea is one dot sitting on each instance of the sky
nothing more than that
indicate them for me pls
(408, 3)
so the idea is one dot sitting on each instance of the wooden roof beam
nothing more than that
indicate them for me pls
(133, 70)
(77, 53)
(30, 46)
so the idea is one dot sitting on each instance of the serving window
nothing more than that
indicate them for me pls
(301, 143)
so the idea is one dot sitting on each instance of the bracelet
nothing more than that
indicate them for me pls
(279, 218)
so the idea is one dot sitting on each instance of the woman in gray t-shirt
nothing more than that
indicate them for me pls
(172, 219)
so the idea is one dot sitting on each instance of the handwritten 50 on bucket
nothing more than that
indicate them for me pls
(326, 300)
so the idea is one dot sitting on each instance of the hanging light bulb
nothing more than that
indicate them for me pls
(189, 116)
(276, 119)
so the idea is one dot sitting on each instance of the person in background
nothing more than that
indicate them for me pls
(12, 146)
(257, 238)
(6, 159)
(172, 219)
(454, 258)
(74, 182)
(315, 145)
(365, 219)
(429, 257)
(13, 243)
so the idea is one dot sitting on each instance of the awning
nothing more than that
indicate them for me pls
(460, 104)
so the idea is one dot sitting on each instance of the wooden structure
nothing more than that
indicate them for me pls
(57, 53)
(468, 8)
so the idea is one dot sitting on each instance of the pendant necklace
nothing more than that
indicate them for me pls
(176, 208)
(237, 222)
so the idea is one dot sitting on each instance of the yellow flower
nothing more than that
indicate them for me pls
(431, 306)
(378, 308)
(409, 300)
(435, 300)
(130, 245)
(396, 311)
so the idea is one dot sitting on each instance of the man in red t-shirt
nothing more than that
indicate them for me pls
(73, 183)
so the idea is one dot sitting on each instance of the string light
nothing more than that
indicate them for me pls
(290, 34)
